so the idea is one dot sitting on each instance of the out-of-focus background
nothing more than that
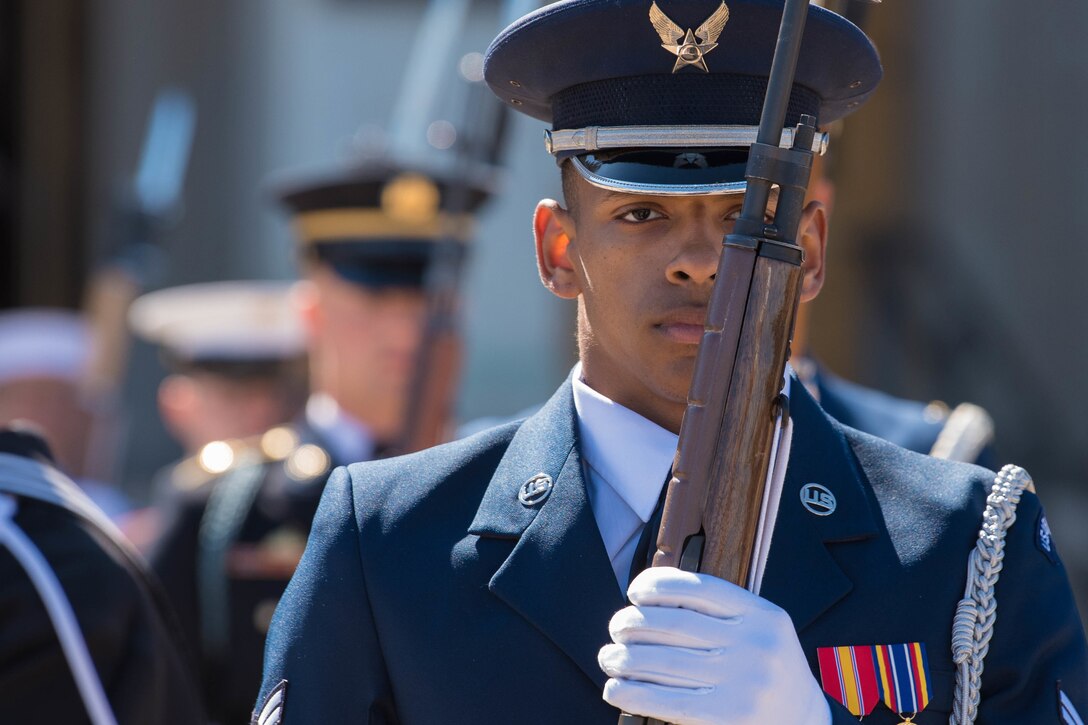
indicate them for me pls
(957, 250)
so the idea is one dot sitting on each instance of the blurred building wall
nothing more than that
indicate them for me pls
(957, 244)
(42, 116)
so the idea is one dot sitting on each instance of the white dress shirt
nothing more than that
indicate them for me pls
(627, 458)
(348, 440)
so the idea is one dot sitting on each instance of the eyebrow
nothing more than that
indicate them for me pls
(621, 196)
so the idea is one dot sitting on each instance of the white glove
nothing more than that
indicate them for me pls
(696, 650)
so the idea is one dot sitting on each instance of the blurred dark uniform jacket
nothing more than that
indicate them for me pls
(379, 225)
(229, 546)
(909, 424)
(130, 632)
(429, 593)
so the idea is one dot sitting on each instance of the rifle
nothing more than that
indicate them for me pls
(151, 204)
(435, 377)
(437, 370)
(715, 508)
(715, 500)
(714, 505)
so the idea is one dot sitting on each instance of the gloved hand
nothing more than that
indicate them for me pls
(694, 650)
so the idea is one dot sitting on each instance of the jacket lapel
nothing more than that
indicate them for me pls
(558, 576)
(802, 576)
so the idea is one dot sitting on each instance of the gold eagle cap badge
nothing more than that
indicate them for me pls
(689, 47)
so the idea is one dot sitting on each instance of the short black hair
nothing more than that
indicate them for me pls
(570, 185)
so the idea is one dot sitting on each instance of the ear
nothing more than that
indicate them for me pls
(553, 230)
(178, 401)
(812, 236)
(822, 189)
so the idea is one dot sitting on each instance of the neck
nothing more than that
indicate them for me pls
(632, 395)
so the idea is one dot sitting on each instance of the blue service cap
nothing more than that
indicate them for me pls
(665, 96)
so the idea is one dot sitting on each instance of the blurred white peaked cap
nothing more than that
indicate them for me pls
(228, 321)
(43, 343)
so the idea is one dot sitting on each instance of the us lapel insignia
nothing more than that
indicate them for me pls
(689, 47)
(860, 676)
(818, 499)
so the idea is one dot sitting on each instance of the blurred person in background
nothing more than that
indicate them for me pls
(45, 356)
(366, 241)
(964, 433)
(235, 354)
(86, 634)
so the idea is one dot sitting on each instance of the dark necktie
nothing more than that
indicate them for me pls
(647, 541)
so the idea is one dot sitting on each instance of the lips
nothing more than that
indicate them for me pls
(683, 326)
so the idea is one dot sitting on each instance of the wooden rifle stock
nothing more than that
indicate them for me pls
(721, 464)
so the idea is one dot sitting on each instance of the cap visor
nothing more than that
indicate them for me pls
(666, 172)
(378, 264)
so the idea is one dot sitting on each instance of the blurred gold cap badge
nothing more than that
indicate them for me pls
(411, 198)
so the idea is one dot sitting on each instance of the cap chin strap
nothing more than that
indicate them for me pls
(635, 187)
(596, 138)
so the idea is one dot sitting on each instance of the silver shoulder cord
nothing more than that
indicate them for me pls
(23, 476)
(976, 613)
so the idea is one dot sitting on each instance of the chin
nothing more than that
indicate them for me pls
(671, 388)
(678, 378)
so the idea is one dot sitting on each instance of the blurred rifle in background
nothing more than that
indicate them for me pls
(476, 151)
(149, 205)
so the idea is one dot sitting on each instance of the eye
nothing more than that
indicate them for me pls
(642, 214)
(734, 214)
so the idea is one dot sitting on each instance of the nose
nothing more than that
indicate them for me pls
(696, 257)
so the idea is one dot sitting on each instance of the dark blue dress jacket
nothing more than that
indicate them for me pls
(429, 594)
